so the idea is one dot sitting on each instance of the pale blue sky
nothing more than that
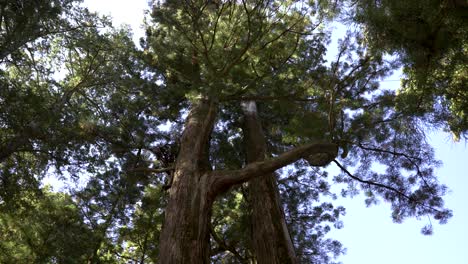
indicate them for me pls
(369, 233)
(371, 237)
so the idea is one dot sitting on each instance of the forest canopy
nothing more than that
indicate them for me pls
(210, 141)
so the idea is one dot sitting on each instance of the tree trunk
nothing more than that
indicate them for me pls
(185, 233)
(272, 242)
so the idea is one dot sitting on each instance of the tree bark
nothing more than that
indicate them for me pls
(272, 242)
(185, 234)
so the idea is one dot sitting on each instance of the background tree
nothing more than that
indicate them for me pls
(68, 105)
(429, 39)
(42, 228)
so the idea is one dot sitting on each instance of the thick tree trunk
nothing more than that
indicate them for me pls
(185, 233)
(272, 242)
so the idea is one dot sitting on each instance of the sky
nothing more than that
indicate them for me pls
(369, 234)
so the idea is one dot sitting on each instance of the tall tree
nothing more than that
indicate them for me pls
(83, 99)
(67, 105)
(193, 182)
(224, 50)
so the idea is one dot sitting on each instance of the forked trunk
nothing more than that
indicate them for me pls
(185, 233)
(272, 243)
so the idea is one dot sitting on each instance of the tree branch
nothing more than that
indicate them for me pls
(224, 246)
(400, 193)
(222, 180)
(267, 98)
(409, 158)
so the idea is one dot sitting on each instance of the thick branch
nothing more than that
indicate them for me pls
(195, 140)
(222, 180)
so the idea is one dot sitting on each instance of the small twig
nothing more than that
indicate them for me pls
(223, 245)
(385, 187)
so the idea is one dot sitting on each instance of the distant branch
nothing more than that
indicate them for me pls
(400, 193)
(410, 159)
(394, 153)
(151, 170)
(267, 98)
(372, 182)
(224, 246)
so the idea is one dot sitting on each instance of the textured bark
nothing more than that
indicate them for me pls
(185, 233)
(272, 242)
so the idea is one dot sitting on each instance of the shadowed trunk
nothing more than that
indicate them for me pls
(185, 233)
(272, 243)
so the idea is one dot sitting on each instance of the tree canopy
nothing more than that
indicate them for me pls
(429, 38)
(210, 142)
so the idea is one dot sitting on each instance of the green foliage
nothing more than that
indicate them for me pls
(221, 50)
(310, 219)
(64, 93)
(43, 227)
(230, 224)
(430, 39)
(24, 21)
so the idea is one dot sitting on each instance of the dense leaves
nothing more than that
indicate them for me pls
(429, 37)
(43, 227)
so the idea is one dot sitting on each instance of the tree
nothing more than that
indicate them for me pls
(43, 228)
(106, 120)
(272, 242)
(66, 107)
(208, 63)
(204, 134)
